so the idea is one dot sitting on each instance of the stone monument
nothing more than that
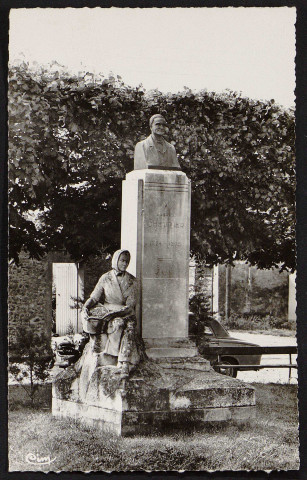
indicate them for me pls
(156, 203)
(172, 385)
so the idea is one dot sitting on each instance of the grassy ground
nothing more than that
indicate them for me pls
(267, 442)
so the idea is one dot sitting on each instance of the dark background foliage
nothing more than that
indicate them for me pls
(71, 142)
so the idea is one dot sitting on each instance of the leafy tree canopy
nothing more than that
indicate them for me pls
(71, 142)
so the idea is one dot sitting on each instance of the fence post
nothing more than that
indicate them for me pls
(227, 291)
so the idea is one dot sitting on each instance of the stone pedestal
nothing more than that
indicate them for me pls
(156, 397)
(156, 230)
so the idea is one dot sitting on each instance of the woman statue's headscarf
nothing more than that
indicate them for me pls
(116, 256)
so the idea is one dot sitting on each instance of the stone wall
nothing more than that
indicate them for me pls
(255, 291)
(30, 289)
(28, 295)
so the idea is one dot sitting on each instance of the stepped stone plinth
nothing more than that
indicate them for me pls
(157, 396)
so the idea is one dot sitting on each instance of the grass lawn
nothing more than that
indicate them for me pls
(270, 441)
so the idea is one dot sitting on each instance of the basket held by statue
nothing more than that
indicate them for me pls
(97, 320)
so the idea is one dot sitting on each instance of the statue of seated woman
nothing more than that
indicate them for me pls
(109, 316)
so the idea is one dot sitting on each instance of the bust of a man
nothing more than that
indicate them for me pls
(155, 151)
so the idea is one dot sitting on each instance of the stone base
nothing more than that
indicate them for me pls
(157, 348)
(157, 396)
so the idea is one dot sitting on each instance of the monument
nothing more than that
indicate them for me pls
(156, 229)
(171, 384)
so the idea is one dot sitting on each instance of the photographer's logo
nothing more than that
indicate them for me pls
(35, 459)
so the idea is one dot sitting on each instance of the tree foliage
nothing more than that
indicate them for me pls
(71, 142)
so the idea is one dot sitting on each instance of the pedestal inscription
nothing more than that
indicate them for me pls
(160, 240)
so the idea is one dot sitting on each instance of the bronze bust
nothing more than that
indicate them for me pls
(155, 152)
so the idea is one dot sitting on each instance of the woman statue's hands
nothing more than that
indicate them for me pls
(127, 310)
(90, 302)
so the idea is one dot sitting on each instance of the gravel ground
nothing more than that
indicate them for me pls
(269, 375)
